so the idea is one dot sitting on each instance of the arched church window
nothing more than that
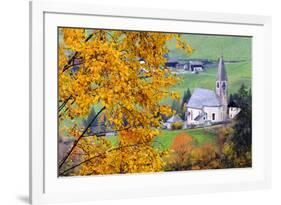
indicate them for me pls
(213, 116)
(223, 85)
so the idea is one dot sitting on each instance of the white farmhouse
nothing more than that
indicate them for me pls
(173, 119)
(209, 106)
(233, 110)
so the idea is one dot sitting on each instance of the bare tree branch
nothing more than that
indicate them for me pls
(79, 138)
(64, 103)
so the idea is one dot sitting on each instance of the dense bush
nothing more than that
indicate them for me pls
(177, 125)
(180, 155)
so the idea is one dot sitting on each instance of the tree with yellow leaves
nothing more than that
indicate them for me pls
(122, 74)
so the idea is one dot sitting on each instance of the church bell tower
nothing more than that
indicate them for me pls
(222, 87)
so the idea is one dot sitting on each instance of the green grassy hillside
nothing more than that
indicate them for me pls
(238, 73)
(211, 47)
(200, 136)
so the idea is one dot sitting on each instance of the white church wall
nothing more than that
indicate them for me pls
(193, 114)
(217, 111)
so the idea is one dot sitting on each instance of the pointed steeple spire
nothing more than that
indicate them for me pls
(221, 75)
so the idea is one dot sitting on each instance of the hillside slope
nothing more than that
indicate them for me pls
(211, 47)
(238, 74)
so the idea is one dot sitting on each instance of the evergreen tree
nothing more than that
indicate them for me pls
(230, 98)
(186, 97)
(176, 106)
(242, 136)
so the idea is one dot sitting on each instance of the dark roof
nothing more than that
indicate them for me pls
(203, 97)
(221, 75)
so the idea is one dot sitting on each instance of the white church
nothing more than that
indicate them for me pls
(211, 106)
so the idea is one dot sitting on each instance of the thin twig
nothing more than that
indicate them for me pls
(79, 138)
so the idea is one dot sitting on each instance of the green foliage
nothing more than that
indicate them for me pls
(180, 107)
(230, 157)
(186, 96)
(176, 106)
(242, 136)
(180, 110)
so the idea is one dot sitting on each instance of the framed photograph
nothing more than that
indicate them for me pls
(129, 102)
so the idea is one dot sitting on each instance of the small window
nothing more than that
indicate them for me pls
(218, 84)
(213, 116)
(224, 85)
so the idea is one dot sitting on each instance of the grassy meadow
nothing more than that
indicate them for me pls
(211, 47)
(238, 74)
(200, 136)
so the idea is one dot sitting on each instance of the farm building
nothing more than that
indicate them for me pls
(233, 110)
(188, 65)
(172, 62)
(183, 66)
(195, 66)
(170, 121)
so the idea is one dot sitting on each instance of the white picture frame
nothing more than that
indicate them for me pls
(46, 187)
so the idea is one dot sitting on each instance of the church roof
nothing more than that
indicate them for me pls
(203, 97)
(221, 75)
